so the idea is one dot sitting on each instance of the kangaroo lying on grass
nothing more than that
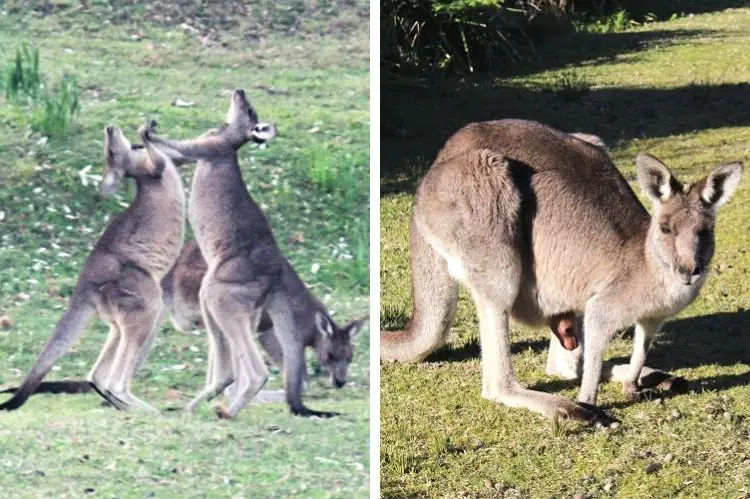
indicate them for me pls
(332, 344)
(120, 280)
(536, 222)
(245, 276)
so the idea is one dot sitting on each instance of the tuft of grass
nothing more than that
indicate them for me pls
(52, 111)
(22, 77)
(569, 85)
(55, 116)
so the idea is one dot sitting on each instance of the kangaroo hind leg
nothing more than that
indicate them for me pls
(222, 365)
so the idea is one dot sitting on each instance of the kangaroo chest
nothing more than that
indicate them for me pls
(223, 215)
(157, 232)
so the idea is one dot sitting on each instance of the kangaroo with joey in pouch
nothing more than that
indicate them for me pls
(120, 279)
(537, 223)
(332, 344)
(245, 275)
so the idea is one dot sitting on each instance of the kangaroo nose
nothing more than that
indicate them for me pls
(339, 383)
(110, 129)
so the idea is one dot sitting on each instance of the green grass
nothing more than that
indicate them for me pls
(131, 64)
(678, 90)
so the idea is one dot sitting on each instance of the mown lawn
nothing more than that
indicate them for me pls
(132, 63)
(678, 90)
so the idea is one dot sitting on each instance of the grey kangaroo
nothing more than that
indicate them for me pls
(245, 276)
(332, 344)
(120, 280)
(536, 223)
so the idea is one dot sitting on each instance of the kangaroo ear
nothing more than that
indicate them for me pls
(594, 140)
(323, 323)
(356, 327)
(721, 184)
(656, 180)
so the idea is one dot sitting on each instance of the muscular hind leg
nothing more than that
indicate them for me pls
(434, 297)
(136, 328)
(221, 363)
(99, 374)
(252, 372)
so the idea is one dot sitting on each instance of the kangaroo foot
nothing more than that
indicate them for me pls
(664, 382)
(595, 415)
(306, 413)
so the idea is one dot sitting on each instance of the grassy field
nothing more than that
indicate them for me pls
(678, 90)
(131, 62)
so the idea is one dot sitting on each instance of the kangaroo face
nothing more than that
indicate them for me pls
(334, 348)
(117, 154)
(681, 235)
(243, 124)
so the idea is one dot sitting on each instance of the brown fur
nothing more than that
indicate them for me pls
(120, 280)
(537, 223)
(334, 351)
(245, 274)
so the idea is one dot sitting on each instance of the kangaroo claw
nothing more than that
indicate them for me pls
(595, 415)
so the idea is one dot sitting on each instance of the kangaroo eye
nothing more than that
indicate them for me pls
(665, 229)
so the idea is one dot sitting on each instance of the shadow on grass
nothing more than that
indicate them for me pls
(418, 116)
(716, 339)
(615, 114)
(471, 350)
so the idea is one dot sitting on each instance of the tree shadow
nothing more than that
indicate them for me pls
(418, 116)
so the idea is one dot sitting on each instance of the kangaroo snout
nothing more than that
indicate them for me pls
(263, 132)
(690, 273)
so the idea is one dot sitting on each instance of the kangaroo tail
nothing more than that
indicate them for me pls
(67, 330)
(434, 297)
(71, 386)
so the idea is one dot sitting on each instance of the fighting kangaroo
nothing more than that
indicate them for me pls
(535, 223)
(120, 280)
(245, 274)
(332, 344)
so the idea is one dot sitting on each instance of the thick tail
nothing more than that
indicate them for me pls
(67, 330)
(71, 386)
(434, 296)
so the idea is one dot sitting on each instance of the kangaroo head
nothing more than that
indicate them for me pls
(122, 160)
(242, 122)
(334, 346)
(681, 235)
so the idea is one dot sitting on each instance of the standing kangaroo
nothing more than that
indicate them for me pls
(535, 223)
(120, 280)
(332, 344)
(245, 276)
